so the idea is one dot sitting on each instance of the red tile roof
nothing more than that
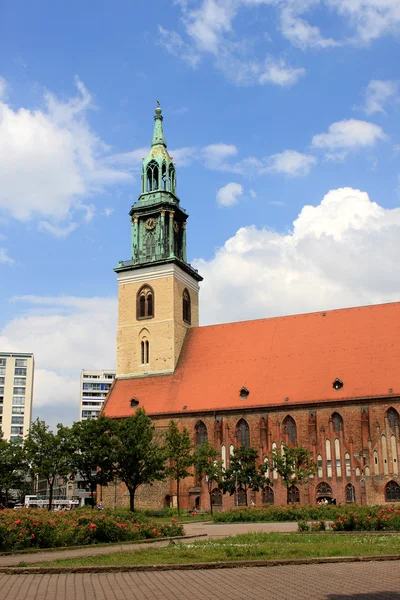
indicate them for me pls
(296, 357)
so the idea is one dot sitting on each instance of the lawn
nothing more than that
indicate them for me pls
(250, 546)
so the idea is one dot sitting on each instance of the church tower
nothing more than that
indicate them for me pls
(158, 290)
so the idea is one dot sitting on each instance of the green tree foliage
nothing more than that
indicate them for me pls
(294, 464)
(179, 451)
(92, 452)
(209, 467)
(49, 453)
(13, 468)
(137, 456)
(243, 472)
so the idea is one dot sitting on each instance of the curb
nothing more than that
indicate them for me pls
(198, 566)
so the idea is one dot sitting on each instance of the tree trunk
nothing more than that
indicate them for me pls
(245, 495)
(132, 499)
(92, 494)
(50, 495)
(211, 503)
(177, 496)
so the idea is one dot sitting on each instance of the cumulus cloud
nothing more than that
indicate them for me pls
(3, 88)
(51, 162)
(343, 252)
(66, 334)
(378, 92)
(351, 134)
(301, 33)
(229, 194)
(291, 162)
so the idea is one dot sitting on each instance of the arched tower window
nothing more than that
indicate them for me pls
(289, 425)
(243, 433)
(164, 176)
(201, 433)
(144, 347)
(392, 492)
(186, 307)
(172, 179)
(337, 422)
(393, 418)
(152, 176)
(145, 303)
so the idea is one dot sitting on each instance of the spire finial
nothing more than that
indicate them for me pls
(158, 136)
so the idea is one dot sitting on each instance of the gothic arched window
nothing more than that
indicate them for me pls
(392, 492)
(268, 495)
(241, 497)
(289, 426)
(293, 494)
(164, 176)
(393, 418)
(243, 433)
(145, 303)
(152, 176)
(171, 179)
(350, 493)
(216, 497)
(201, 433)
(150, 245)
(324, 489)
(337, 422)
(186, 307)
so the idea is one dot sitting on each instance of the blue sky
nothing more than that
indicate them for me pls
(283, 120)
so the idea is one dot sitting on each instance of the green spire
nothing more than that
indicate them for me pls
(158, 135)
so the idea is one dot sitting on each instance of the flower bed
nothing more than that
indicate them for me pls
(386, 519)
(30, 528)
(295, 513)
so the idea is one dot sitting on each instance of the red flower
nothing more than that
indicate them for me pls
(92, 526)
(18, 522)
(154, 530)
(33, 535)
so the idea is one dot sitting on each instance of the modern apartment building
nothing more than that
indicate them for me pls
(93, 390)
(16, 391)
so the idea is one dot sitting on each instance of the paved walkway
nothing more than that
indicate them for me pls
(352, 581)
(194, 529)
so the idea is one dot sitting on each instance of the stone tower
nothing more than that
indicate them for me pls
(157, 289)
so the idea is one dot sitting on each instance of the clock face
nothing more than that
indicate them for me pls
(176, 227)
(150, 223)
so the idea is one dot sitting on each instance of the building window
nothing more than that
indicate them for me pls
(145, 346)
(20, 362)
(2, 370)
(324, 489)
(18, 401)
(19, 381)
(319, 465)
(241, 497)
(293, 494)
(347, 464)
(328, 458)
(20, 372)
(289, 427)
(19, 390)
(145, 303)
(268, 495)
(337, 456)
(393, 418)
(216, 497)
(392, 492)
(201, 433)
(186, 306)
(350, 493)
(2, 362)
(17, 420)
(337, 422)
(152, 176)
(17, 430)
(243, 433)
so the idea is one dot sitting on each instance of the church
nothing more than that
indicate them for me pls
(329, 381)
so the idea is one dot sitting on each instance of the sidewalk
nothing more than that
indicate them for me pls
(195, 531)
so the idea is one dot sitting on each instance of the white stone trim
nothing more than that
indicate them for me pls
(158, 272)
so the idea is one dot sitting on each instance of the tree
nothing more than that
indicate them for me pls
(49, 454)
(92, 456)
(208, 466)
(294, 464)
(179, 451)
(243, 472)
(138, 458)
(13, 468)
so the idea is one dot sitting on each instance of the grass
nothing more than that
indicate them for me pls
(249, 546)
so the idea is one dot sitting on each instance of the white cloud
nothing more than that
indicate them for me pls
(279, 72)
(174, 44)
(3, 88)
(215, 155)
(300, 33)
(349, 134)
(4, 256)
(229, 194)
(66, 334)
(371, 19)
(343, 252)
(51, 161)
(291, 163)
(378, 92)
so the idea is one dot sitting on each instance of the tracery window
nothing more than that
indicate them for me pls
(293, 494)
(171, 179)
(216, 497)
(324, 489)
(393, 418)
(186, 307)
(268, 495)
(337, 422)
(289, 425)
(145, 303)
(152, 176)
(241, 497)
(392, 492)
(243, 433)
(201, 433)
(350, 493)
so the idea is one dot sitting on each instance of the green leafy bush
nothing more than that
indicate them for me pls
(385, 519)
(30, 528)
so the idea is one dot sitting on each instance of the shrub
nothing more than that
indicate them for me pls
(31, 528)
